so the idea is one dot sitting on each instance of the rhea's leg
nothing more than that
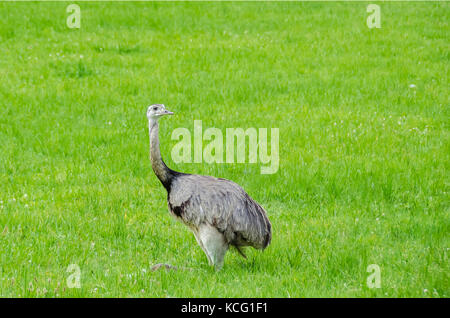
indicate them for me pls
(199, 241)
(214, 243)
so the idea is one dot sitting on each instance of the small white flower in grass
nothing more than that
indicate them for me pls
(26, 206)
(81, 56)
(425, 290)
(412, 86)
(378, 219)
(14, 199)
(109, 123)
(25, 196)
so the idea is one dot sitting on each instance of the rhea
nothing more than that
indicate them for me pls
(218, 211)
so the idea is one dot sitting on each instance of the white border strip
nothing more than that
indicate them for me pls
(112, 1)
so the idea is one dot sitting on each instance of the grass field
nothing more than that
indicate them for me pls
(364, 146)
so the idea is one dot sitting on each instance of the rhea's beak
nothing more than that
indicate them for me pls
(167, 112)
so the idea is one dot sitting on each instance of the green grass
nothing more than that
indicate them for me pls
(364, 157)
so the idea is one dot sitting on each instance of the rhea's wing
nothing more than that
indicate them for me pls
(223, 204)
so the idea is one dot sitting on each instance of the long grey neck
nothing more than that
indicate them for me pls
(164, 174)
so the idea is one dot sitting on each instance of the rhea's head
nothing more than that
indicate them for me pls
(157, 110)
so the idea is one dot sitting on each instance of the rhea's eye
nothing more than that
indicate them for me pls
(155, 108)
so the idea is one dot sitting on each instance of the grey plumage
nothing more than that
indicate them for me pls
(223, 204)
(218, 211)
